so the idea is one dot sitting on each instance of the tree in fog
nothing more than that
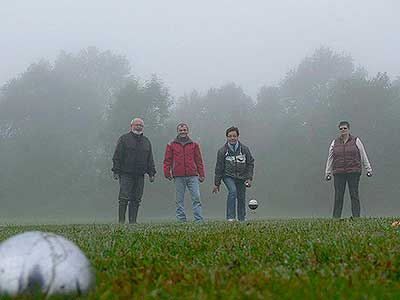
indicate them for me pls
(50, 119)
(149, 100)
(209, 115)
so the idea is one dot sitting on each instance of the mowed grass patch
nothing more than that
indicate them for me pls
(276, 259)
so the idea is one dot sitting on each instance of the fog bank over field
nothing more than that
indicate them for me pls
(196, 45)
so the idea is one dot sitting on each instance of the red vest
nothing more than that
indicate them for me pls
(346, 157)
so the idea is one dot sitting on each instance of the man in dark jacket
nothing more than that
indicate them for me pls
(234, 166)
(183, 159)
(133, 157)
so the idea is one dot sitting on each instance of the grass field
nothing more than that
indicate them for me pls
(273, 259)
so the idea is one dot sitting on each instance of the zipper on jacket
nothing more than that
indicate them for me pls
(344, 157)
(236, 171)
(184, 158)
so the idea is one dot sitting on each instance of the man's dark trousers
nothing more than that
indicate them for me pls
(130, 192)
(353, 180)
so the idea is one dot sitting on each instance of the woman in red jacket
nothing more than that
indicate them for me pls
(184, 164)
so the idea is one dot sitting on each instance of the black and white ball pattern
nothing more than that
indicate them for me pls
(253, 204)
(45, 261)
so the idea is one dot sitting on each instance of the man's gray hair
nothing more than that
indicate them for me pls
(137, 119)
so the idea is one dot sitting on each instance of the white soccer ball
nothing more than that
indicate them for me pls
(42, 261)
(253, 204)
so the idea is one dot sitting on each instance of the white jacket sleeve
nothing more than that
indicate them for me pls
(329, 162)
(363, 154)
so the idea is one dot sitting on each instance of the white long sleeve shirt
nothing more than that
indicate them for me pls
(363, 154)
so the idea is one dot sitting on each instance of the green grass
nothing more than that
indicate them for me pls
(274, 259)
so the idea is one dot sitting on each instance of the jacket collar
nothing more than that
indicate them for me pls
(176, 140)
(227, 148)
(350, 138)
(138, 136)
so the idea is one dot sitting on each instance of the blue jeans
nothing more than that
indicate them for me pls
(192, 183)
(236, 191)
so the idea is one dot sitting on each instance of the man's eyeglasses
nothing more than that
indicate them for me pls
(342, 128)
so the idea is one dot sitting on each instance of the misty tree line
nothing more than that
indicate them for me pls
(59, 123)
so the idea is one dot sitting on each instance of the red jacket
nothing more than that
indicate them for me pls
(183, 159)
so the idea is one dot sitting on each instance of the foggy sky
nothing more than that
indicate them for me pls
(200, 44)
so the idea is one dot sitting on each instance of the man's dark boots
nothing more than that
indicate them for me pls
(121, 212)
(133, 212)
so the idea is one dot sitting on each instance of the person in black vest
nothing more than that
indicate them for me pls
(346, 157)
(234, 167)
(133, 158)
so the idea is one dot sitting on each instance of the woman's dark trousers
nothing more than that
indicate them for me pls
(340, 180)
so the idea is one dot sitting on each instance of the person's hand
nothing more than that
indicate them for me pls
(215, 189)
(201, 178)
(328, 177)
(151, 179)
(115, 176)
(247, 183)
(369, 174)
(169, 177)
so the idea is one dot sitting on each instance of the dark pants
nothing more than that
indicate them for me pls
(236, 192)
(130, 192)
(340, 180)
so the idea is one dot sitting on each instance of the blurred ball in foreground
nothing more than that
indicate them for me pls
(253, 204)
(45, 262)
